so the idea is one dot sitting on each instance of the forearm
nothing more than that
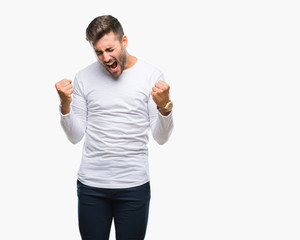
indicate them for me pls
(65, 108)
(73, 127)
(162, 127)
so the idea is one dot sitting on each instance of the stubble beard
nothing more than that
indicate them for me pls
(121, 60)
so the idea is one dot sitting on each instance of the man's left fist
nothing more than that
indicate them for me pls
(160, 94)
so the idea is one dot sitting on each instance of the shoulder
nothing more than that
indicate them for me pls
(89, 74)
(93, 68)
(148, 67)
(153, 72)
(86, 77)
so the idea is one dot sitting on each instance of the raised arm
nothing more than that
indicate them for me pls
(161, 120)
(73, 110)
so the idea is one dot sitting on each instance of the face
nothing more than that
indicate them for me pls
(112, 53)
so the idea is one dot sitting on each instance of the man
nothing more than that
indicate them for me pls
(115, 101)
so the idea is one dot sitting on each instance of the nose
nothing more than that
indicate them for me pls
(106, 57)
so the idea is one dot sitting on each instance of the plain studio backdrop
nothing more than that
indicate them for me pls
(231, 167)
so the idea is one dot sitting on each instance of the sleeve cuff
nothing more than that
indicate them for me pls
(168, 116)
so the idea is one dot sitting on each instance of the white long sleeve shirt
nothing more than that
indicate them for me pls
(115, 116)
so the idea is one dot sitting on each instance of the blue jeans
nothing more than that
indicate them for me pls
(128, 207)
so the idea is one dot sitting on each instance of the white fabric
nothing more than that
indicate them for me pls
(115, 116)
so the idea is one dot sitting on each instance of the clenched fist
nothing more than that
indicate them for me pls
(65, 89)
(160, 94)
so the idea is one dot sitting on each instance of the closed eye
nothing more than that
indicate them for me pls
(109, 50)
(99, 53)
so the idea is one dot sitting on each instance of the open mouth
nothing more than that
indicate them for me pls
(113, 66)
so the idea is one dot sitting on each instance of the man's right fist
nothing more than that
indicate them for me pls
(65, 89)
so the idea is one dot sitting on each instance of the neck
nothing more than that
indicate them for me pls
(130, 61)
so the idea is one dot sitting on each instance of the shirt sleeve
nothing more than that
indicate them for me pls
(161, 126)
(74, 123)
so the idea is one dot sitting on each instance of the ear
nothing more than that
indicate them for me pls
(124, 41)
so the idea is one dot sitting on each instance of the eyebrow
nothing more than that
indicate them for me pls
(107, 49)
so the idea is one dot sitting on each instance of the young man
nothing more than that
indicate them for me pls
(115, 101)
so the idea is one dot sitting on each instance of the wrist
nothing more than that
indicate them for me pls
(166, 109)
(65, 108)
(163, 112)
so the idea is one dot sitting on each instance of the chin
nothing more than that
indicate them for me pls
(116, 75)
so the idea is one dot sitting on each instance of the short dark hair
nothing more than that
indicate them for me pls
(102, 25)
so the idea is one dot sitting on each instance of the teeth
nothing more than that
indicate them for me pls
(109, 64)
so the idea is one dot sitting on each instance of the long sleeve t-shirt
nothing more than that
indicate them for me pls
(115, 116)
